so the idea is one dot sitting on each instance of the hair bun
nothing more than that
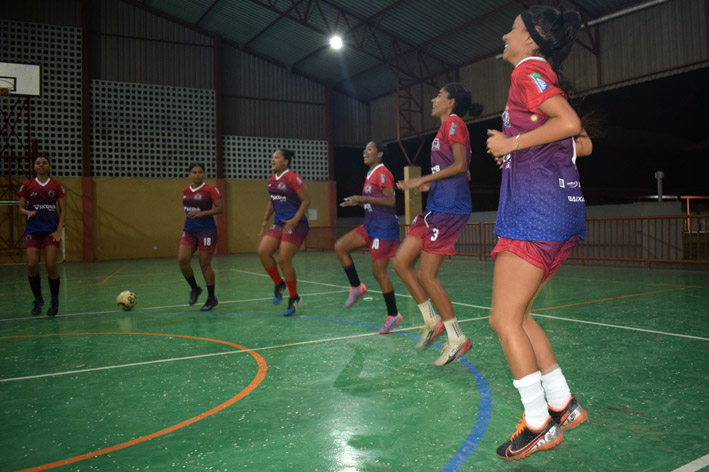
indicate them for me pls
(475, 109)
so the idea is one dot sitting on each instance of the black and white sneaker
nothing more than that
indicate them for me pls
(37, 306)
(194, 295)
(569, 417)
(209, 304)
(526, 441)
(53, 308)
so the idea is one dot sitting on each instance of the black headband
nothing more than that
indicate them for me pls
(544, 45)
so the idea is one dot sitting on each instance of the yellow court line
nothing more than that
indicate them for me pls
(588, 302)
(108, 277)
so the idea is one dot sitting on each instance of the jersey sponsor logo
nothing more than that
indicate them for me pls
(574, 184)
(576, 198)
(367, 207)
(33, 194)
(561, 183)
(454, 127)
(44, 207)
(279, 198)
(435, 169)
(281, 186)
(436, 145)
(368, 189)
(539, 82)
(506, 117)
(192, 209)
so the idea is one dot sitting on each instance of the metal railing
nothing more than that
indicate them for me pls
(653, 239)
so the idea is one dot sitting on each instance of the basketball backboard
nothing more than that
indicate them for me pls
(20, 79)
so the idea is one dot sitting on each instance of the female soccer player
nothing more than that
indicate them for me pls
(433, 233)
(42, 201)
(380, 232)
(541, 216)
(201, 202)
(289, 201)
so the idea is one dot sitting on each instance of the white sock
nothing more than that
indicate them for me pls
(532, 395)
(429, 315)
(556, 389)
(453, 329)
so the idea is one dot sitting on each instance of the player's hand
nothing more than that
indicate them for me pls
(422, 188)
(350, 201)
(57, 236)
(498, 144)
(289, 225)
(30, 214)
(411, 183)
(193, 214)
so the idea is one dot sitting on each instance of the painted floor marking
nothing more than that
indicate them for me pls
(693, 466)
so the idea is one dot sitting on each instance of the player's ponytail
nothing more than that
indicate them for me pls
(463, 100)
(287, 155)
(384, 149)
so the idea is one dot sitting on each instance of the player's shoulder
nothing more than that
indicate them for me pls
(294, 177)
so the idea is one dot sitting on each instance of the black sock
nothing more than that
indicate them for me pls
(193, 283)
(390, 300)
(352, 275)
(54, 289)
(210, 291)
(36, 286)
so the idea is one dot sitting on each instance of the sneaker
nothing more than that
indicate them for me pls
(53, 309)
(37, 306)
(391, 323)
(355, 294)
(292, 303)
(278, 292)
(526, 441)
(209, 304)
(429, 333)
(194, 295)
(453, 350)
(569, 417)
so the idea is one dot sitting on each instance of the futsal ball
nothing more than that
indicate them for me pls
(126, 300)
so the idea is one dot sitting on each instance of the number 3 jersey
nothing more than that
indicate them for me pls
(199, 199)
(42, 198)
(540, 194)
(283, 190)
(379, 220)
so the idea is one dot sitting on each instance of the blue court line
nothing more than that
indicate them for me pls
(484, 409)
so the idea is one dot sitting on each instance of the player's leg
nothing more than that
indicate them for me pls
(205, 264)
(34, 279)
(286, 252)
(515, 284)
(427, 275)
(50, 263)
(188, 245)
(267, 248)
(343, 246)
(379, 271)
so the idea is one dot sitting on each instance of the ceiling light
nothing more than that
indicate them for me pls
(336, 42)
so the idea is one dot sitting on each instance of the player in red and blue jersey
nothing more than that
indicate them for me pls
(433, 233)
(541, 217)
(380, 232)
(289, 200)
(201, 202)
(42, 201)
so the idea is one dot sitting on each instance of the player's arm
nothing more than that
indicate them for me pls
(57, 234)
(217, 208)
(24, 210)
(304, 195)
(459, 165)
(388, 199)
(563, 122)
(584, 145)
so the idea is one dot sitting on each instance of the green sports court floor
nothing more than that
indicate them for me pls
(166, 387)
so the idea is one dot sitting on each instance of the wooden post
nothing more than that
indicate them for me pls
(412, 200)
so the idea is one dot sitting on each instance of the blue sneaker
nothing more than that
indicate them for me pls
(391, 323)
(292, 303)
(278, 292)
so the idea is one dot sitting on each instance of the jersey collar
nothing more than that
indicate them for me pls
(374, 170)
(195, 189)
(36, 179)
(278, 177)
(531, 58)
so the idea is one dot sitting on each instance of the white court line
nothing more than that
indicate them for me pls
(693, 466)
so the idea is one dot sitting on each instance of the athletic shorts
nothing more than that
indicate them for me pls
(547, 255)
(296, 236)
(378, 248)
(205, 240)
(40, 239)
(438, 231)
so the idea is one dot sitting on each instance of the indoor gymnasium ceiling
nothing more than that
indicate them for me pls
(414, 40)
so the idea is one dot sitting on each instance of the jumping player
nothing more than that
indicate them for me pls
(201, 202)
(433, 233)
(380, 232)
(289, 201)
(42, 201)
(541, 217)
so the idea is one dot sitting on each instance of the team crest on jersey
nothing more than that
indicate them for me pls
(300, 181)
(539, 82)
(436, 145)
(506, 117)
(384, 179)
(367, 189)
(281, 186)
(51, 194)
(198, 196)
(454, 127)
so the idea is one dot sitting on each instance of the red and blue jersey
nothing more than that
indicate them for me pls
(283, 190)
(381, 221)
(42, 198)
(540, 194)
(450, 195)
(199, 199)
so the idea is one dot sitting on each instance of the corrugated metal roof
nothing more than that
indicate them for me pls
(419, 37)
